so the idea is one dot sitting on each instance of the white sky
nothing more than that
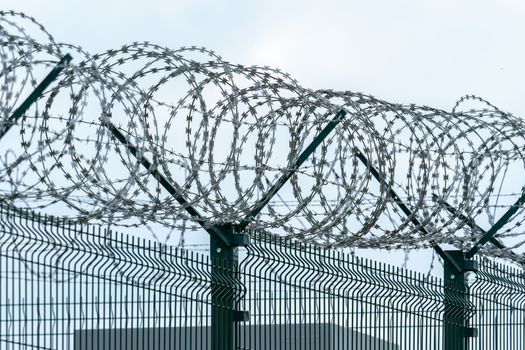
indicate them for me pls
(421, 51)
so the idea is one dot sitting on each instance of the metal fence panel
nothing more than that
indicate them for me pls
(72, 286)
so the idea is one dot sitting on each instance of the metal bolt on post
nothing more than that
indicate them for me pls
(225, 312)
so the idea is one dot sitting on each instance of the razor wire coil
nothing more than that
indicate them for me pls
(224, 132)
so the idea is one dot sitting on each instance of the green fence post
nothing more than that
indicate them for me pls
(224, 275)
(456, 330)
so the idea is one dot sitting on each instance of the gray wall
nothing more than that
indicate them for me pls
(278, 337)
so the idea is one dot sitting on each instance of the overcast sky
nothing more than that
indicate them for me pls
(418, 51)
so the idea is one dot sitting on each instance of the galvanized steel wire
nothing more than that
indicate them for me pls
(225, 131)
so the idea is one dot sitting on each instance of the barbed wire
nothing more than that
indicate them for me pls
(223, 131)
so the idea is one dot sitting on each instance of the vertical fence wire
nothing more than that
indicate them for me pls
(72, 286)
(67, 286)
(330, 300)
(498, 293)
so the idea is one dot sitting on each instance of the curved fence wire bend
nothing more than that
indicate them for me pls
(498, 293)
(70, 286)
(225, 132)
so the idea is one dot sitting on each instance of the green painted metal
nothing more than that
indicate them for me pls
(223, 253)
(35, 95)
(224, 260)
(456, 331)
(498, 295)
(455, 298)
(223, 242)
(375, 173)
(70, 286)
(169, 185)
(497, 226)
(289, 172)
(494, 241)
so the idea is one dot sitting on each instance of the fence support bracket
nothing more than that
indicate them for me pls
(456, 329)
(224, 275)
(224, 238)
(34, 96)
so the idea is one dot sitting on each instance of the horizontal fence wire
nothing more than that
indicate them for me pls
(65, 285)
(331, 300)
(71, 286)
(498, 293)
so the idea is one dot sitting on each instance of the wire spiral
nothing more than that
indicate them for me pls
(225, 132)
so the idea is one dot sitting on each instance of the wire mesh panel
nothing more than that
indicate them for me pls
(67, 286)
(71, 286)
(498, 293)
(318, 299)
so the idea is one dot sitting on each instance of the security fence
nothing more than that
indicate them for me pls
(498, 294)
(70, 286)
(96, 134)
